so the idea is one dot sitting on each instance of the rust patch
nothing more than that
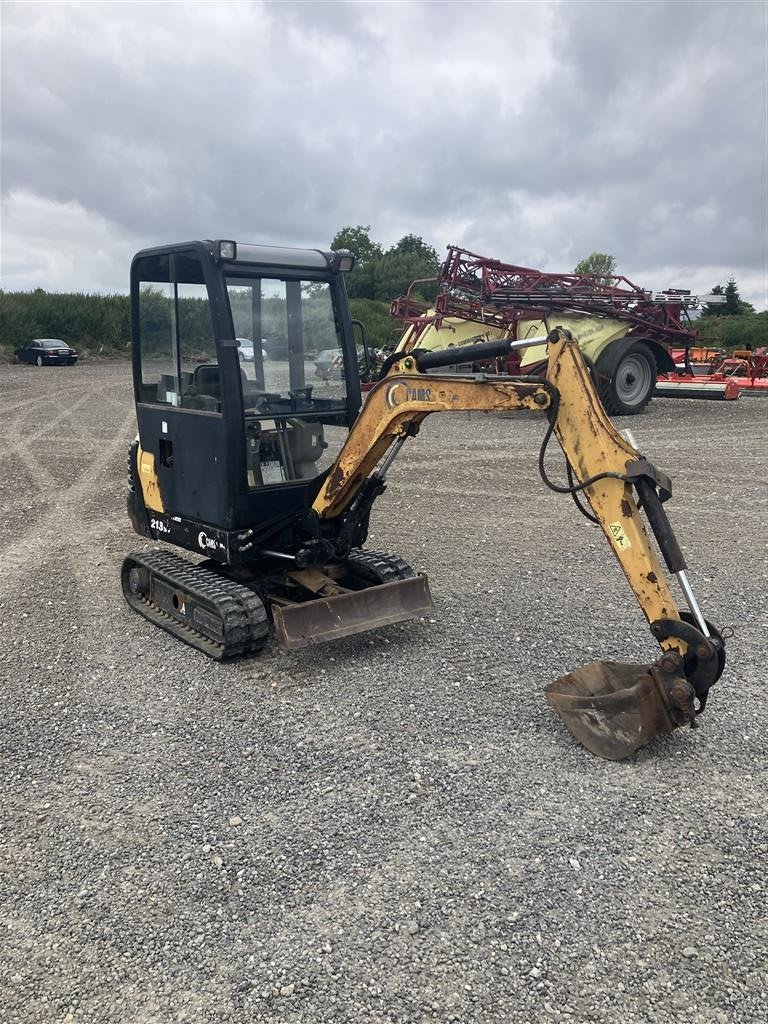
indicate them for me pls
(336, 482)
(652, 577)
(626, 510)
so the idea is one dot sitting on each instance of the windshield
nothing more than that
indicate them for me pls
(294, 398)
(281, 327)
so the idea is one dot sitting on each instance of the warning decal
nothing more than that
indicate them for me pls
(617, 532)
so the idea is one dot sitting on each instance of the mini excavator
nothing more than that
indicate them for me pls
(245, 457)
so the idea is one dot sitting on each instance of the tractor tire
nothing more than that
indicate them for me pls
(631, 386)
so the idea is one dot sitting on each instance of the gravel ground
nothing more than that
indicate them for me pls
(394, 828)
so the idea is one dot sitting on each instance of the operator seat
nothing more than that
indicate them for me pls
(207, 380)
(204, 392)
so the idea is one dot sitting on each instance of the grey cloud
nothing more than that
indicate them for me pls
(538, 132)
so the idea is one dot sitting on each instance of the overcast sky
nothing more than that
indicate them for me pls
(532, 132)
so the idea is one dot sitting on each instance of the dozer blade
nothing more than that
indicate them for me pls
(612, 708)
(329, 618)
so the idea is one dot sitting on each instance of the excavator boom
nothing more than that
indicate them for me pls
(612, 708)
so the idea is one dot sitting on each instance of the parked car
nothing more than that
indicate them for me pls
(46, 352)
(245, 350)
(330, 362)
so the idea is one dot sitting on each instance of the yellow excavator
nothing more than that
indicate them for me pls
(254, 454)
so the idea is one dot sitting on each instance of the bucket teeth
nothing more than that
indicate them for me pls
(614, 708)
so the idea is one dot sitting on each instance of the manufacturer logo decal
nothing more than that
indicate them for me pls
(206, 542)
(398, 393)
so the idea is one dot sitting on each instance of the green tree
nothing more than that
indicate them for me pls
(408, 260)
(596, 263)
(733, 305)
(88, 322)
(383, 331)
(414, 245)
(360, 281)
(385, 275)
(732, 298)
(734, 331)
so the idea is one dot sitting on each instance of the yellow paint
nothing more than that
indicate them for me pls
(593, 446)
(405, 397)
(150, 486)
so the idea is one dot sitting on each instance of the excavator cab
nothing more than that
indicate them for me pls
(236, 427)
(246, 380)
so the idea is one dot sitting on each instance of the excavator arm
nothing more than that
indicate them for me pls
(612, 708)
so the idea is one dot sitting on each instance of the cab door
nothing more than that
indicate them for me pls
(180, 400)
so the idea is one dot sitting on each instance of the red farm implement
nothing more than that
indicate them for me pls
(624, 329)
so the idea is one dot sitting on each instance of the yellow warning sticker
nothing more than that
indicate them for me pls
(617, 532)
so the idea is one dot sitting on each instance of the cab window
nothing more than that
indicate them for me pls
(179, 365)
(293, 376)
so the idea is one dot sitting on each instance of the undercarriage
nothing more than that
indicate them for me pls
(224, 611)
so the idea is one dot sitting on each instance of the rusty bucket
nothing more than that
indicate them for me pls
(613, 708)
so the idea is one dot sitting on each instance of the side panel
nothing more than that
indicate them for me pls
(188, 452)
(594, 335)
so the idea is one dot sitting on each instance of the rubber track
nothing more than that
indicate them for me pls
(379, 565)
(240, 610)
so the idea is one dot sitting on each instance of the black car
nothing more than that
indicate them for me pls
(46, 351)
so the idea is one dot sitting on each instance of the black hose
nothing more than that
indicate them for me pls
(577, 500)
(552, 417)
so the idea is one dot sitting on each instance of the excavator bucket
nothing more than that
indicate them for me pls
(329, 618)
(613, 708)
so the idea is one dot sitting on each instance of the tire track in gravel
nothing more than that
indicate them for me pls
(22, 555)
(82, 428)
(58, 401)
(44, 482)
(13, 407)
